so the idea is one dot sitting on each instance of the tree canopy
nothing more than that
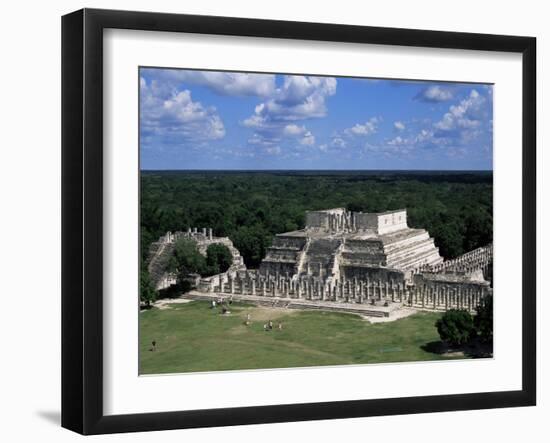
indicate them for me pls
(483, 320)
(456, 327)
(218, 258)
(187, 259)
(147, 293)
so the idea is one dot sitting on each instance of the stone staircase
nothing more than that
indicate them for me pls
(157, 261)
(320, 257)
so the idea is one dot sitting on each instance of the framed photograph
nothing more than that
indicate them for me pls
(269, 221)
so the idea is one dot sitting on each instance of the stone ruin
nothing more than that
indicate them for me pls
(342, 258)
(161, 251)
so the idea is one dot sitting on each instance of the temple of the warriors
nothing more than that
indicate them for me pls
(370, 263)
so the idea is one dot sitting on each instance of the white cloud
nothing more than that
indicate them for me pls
(225, 83)
(258, 140)
(435, 94)
(293, 129)
(400, 126)
(338, 142)
(398, 141)
(275, 150)
(465, 115)
(175, 117)
(299, 98)
(308, 139)
(460, 128)
(368, 128)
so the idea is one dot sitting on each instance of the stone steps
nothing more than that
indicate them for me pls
(416, 252)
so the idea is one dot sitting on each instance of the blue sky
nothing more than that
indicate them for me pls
(226, 120)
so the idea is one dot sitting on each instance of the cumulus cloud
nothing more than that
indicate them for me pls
(293, 129)
(435, 94)
(308, 139)
(400, 126)
(466, 115)
(172, 117)
(298, 99)
(224, 83)
(362, 129)
(338, 142)
(459, 129)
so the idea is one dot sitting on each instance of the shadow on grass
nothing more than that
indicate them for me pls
(173, 291)
(474, 349)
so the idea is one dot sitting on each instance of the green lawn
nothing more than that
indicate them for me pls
(192, 337)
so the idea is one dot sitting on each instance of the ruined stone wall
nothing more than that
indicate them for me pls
(161, 251)
(447, 291)
(382, 223)
(337, 219)
(283, 255)
(479, 259)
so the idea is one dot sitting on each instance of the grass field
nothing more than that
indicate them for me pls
(191, 337)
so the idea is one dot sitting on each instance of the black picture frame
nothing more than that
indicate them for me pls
(82, 215)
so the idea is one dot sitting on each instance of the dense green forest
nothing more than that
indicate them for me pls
(251, 207)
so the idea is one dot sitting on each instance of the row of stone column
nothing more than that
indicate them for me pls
(477, 259)
(312, 288)
(206, 232)
(439, 296)
(342, 222)
(447, 297)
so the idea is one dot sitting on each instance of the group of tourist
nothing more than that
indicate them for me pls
(269, 326)
(223, 303)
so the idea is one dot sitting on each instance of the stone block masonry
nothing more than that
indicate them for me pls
(344, 257)
(375, 259)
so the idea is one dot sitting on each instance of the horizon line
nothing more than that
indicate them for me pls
(316, 170)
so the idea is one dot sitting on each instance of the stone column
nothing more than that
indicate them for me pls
(253, 286)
